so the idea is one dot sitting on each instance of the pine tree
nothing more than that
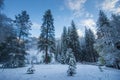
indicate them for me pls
(47, 37)
(1, 4)
(72, 63)
(90, 53)
(102, 23)
(6, 27)
(5, 24)
(8, 45)
(102, 26)
(9, 51)
(23, 24)
(68, 37)
(7, 37)
(105, 42)
(73, 41)
(115, 22)
(58, 50)
(64, 45)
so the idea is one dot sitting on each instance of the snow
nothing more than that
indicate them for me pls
(36, 56)
(58, 72)
(33, 53)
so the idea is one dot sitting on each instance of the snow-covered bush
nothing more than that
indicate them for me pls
(72, 64)
(31, 70)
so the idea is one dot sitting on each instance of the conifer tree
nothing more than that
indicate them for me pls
(1, 4)
(58, 50)
(105, 41)
(7, 37)
(64, 45)
(102, 23)
(23, 24)
(115, 22)
(90, 53)
(46, 41)
(73, 41)
(72, 63)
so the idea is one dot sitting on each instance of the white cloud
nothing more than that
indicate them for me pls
(111, 6)
(77, 6)
(89, 23)
(35, 25)
(80, 33)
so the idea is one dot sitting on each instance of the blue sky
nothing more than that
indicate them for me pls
(83, 12)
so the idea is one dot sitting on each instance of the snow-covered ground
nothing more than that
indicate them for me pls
(58, 72)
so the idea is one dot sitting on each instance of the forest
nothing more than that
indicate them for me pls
(100, 49)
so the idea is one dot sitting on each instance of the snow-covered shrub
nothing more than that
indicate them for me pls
(31, 70)
(72, 64)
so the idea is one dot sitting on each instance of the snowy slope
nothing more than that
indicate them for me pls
(58, 72)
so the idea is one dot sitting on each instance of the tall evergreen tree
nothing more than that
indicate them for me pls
(5, 24)
(9, 50)
(64, 45)
(68, 37)
(7, 42)
(47, 37)
(105, 42)
(1, 4)
(23, 24)
(90, 53)
(58, 50)
(74, 43)
(5, 27)
(101, 24)
(115, 22)
(7, 36)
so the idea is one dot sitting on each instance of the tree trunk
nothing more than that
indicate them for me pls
(46, 55)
